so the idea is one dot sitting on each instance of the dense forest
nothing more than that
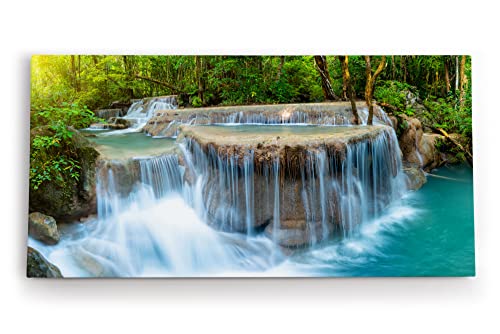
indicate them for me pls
(66, 89)
(441, 82)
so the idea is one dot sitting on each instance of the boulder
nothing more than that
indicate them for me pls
(119, 122)
(410, 138)
(38, 266)
(418, 148)
(74, 199)
(43, 228)
(113, 123)
(415, 177)
(431, 158)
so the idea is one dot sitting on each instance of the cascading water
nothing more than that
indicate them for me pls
(141, 111)
(148, 229)
(155, 214)
(337, 190)
(166, 124)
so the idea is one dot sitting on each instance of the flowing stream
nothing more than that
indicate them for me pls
(159, 216)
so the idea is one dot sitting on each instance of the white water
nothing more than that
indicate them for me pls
(142, 110)
(153, 232)
(159, 227)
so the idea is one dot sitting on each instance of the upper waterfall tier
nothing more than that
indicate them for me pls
(137, 114)
(166, 122)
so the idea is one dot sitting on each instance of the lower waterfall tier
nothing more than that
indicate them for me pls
(299, 183)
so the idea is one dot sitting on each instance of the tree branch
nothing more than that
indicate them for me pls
(379, 68)
(174, 89)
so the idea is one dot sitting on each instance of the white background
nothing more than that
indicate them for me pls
(408, 305)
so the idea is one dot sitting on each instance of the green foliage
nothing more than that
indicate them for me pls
(53, 157)
(66, 115)
(395, 93)
(96, 81)
(448, 116)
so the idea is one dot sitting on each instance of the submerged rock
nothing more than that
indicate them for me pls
(38, 266)
(43, 228)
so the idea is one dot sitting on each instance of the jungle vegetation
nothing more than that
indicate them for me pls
(66, 88)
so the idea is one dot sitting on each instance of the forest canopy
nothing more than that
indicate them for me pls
(442, 83)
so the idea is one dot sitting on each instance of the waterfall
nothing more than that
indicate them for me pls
(162, 174)
(277, 199)
(335, 190)
(141, 111)
(226, 207)
(146, 228)
(167, 124)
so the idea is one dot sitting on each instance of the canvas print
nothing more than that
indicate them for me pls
(250, 166)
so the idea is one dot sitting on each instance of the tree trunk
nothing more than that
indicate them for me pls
(200, 79)
(129, 72)
(447, 75)
(344, 62)
(78, 79)
(370, 85)
(280, 68)
(73, 72)
(393, 67)
(463, 81)
(326, 82)
(345, 78)
(403, 67)
(456, 74)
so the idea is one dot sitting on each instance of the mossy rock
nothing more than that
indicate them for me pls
(75, 199)
(38, 266)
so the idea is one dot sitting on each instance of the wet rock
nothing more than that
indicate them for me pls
(113, 123)
(121, 105)
(410, 139)
(38, 266)
(231, 193)
(75, 199)
(43, 228)
(119, 123)
(297, 234)
(431, 158)
(415, 178)
(418, 147)
(107, 113)
(165, 122)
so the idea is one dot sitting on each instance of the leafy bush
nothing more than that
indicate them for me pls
(53, 157)
(394, 93)
(66, 115)
(447, 115)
